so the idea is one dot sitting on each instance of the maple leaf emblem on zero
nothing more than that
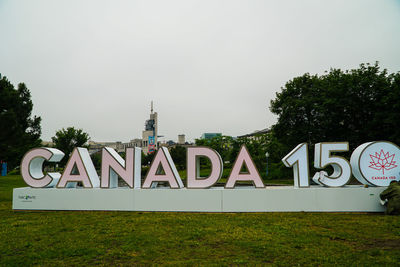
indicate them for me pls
(382, 161)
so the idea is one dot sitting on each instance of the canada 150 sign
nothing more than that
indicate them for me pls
(373, 163)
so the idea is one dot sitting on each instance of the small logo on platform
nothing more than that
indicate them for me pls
(382, 161)
(27, 198)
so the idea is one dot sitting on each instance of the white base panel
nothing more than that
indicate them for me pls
(246, 199)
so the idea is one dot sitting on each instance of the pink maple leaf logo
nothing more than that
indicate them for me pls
(382, 161)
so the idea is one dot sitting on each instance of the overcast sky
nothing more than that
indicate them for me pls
(209, 66)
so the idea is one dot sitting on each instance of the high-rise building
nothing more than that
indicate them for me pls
(148, 143)
(149, 135)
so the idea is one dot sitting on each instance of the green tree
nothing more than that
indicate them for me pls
(96, 159)
(222, 144)
(19, 130)
(358, 106)
(257, 146)
(178, 154)
(148, 158)
(67, 139)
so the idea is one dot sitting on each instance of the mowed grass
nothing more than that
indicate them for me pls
(168, 238)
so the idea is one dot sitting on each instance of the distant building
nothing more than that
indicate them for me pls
(149, 135)
(255, 134)
(181, 139)
(148, 143)
(170, 143)
(97, 146)
(210, 135)
(47, 143)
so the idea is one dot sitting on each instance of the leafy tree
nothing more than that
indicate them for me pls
(96, 159)
(358, 106)
(258, 145)
(19, 131)
(147, 159)
(67, 139)
(222, 144)
(228, 147)
(178, 154)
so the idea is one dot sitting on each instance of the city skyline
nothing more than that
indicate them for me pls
(209, 66)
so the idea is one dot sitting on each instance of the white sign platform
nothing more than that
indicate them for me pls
(247, 199)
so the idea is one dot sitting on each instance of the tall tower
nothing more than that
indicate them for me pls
(149, 135)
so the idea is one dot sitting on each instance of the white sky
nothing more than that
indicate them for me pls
(209, 66)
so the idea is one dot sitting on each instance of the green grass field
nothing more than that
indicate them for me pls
(144, 238)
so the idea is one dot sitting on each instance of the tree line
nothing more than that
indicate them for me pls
(357, 105)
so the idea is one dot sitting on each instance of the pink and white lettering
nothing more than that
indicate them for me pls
(341, 167)
(252, 175)
(163, 159)
(32, 167)
(86, 172)
(113, 166)
(298, 159)
(193, 167)
(373, 163)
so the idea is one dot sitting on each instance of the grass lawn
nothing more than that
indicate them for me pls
(169, 238)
